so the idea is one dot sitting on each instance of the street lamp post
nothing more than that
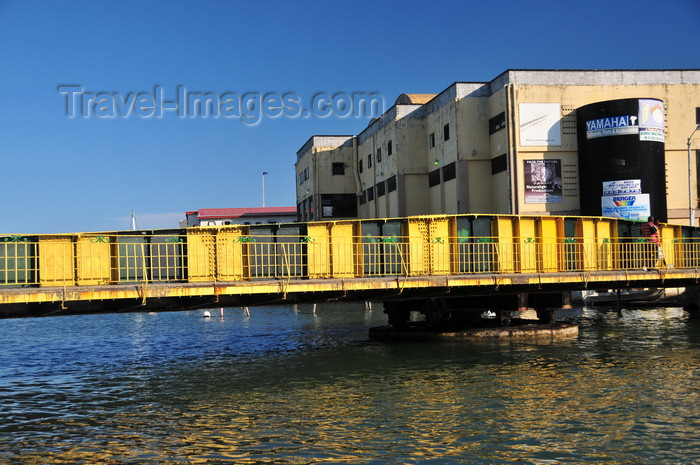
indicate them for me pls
(691, 215)
(263, 188)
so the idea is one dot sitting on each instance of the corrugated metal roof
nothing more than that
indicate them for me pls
(239, 212)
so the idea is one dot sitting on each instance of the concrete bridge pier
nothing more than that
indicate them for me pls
(499, 316)
(468, 312)
(544, 304)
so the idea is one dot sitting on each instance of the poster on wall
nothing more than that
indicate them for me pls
(540, 124)
(543, 181)
(651, 120)
(630, 207)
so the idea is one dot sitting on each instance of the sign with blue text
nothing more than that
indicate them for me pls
(630, 207)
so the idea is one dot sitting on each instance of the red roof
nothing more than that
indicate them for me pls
(239, 212)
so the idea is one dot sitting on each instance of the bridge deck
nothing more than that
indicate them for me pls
(180, 296)
(354, 260)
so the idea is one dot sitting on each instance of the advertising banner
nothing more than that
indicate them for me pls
(648, 123)
(543, 181)
(627, 186)
(630, 207)
(651, 120)
(540, 124)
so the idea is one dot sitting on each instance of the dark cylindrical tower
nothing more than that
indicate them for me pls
(622, 140)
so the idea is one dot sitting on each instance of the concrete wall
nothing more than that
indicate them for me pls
(472, 188)
(403, 126)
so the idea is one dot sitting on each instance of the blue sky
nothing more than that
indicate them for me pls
(87, 173)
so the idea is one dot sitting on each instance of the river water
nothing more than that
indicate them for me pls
(290, 386)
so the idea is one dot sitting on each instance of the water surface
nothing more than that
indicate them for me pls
(294, 386)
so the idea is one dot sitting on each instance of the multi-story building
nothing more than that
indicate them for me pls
(326, 179)
(514, 145)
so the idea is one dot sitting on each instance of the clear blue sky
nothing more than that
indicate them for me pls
(61, 174)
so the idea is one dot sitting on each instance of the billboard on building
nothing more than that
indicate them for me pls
(647, 122)
(540, 124)
(630, 207)
(543, 181)
(651, 120)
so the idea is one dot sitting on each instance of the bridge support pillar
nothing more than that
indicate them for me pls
(566, 300)
(545, 304)
(398, 313)
(522, 302)
(691, 300)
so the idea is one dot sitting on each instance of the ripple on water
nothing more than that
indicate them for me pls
(294, 387)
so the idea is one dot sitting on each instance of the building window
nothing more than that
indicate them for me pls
(446, 132)
(499, 164)
(338, 168)
(379, 155)
(339, 205)
(380, 189)
(432, 140)
(434, 178)
(359, 165)
(306, 173)
(301, 178)
(369, 160)
(389, 149)
(363, 198)
(497, 123)
(449, 172)
(391, 184)
(697, 116)
(370, 194)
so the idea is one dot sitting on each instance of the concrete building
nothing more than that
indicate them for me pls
(511, 145)
(230, 216)
(326, 179)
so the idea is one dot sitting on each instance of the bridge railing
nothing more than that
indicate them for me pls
(416, 246)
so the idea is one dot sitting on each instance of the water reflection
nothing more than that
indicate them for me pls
(289, 386)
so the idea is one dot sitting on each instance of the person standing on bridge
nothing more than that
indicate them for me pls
(650, 232)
